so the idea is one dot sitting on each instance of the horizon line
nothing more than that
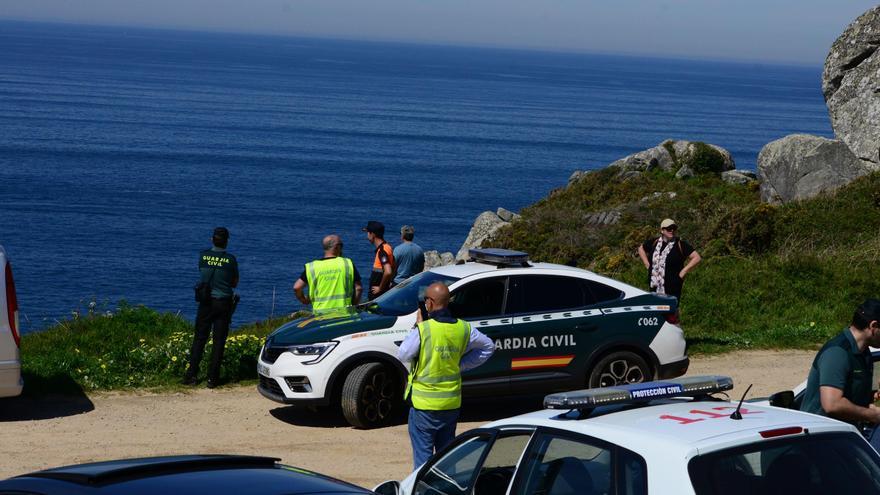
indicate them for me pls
(427, 43)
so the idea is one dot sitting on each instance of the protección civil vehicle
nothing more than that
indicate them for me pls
(677, 437)
(555, 328)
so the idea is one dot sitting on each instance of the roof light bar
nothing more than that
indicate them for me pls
(638, 392)
(498, 256)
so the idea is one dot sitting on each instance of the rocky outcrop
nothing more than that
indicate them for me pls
(435, 258)
(802, 166)
(739, 176)
(684, 158)
(851, 85)
(485, 226)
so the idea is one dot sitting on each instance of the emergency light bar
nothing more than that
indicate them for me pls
(498, 256)
(638, 392)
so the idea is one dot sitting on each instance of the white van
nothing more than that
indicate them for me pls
(11, 382)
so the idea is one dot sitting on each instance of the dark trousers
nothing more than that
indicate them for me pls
(213, 317)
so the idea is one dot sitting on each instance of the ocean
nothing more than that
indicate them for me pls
(121, 149)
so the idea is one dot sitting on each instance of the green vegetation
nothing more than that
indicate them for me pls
(133, 347)
(772, 276)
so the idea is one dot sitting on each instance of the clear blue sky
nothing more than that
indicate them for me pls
(797, 31)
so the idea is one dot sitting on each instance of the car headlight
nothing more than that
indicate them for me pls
(319, 350)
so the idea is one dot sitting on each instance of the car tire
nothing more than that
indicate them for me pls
(619, 368)
(371, 396)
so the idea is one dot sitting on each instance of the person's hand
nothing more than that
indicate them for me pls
(681, 274)
(876, 395)
(419, 316)
(374, 290)
(875, 412)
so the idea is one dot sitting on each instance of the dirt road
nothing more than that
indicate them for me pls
(38, 434)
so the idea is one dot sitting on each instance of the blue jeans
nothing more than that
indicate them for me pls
(430, 431)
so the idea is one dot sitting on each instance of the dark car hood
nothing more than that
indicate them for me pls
(328, 326)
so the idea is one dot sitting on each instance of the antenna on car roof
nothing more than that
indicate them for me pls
(736, 414)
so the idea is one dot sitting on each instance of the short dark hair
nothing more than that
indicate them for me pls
(867, 312)
(220, 237)
(408, 236)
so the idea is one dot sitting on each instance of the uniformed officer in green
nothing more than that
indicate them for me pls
(219, 270)
(439, 349)
(840, 384)
(333, 281)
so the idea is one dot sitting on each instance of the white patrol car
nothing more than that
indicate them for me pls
(555, 328)
(653, 438)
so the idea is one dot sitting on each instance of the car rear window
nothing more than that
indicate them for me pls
(806, 465)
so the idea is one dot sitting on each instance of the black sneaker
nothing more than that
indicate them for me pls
(189, 380)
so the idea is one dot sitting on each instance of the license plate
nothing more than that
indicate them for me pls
(263, 369)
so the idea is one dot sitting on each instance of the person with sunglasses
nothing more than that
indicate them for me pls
(440, 347)
(668, 260)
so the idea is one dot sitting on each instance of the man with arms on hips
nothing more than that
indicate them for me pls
(408, 255)
(333, 281)
(840, 381)
(439, 348)
(219, 270)
(668, 260)
(383, 262)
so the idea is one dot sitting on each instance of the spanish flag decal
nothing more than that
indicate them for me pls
(541, 362)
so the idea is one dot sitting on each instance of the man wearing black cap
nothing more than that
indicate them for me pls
(384, 267)
(840, 384)
(219, 270)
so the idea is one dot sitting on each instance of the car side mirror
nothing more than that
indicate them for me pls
(388, 488)
(784, 399)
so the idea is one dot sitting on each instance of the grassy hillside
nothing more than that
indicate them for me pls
(132, 347)
(772, 276)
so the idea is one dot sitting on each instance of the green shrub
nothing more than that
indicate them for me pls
(133, 346)
(705, 159)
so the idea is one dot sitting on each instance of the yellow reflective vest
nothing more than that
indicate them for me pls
(435, 380)
(331, 283)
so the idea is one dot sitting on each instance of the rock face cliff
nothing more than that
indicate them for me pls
(486, 224)
(851, 85)
(801, 166)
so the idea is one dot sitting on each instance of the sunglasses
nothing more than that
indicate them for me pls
(671, 228)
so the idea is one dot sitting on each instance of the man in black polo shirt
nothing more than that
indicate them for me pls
(840, 384)
(219, 270)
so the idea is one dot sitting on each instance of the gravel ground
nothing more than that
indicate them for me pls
(38, 434)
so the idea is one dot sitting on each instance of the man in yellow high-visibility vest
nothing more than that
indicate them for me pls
(440, 348)
(333, 281)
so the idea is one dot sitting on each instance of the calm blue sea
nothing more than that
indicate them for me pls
(121, 149)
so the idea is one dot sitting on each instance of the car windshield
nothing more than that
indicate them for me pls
(404, 298)
(808, 464)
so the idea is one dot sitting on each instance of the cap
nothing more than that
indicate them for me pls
(221, 233)
(667, 223)
(375, 227)
(407, 229)
(870, 309)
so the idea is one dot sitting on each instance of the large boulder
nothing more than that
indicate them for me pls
(435, 258)
(485, 226)
(851, 85)
(743, 177)
(801, 166)
(685, 158)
